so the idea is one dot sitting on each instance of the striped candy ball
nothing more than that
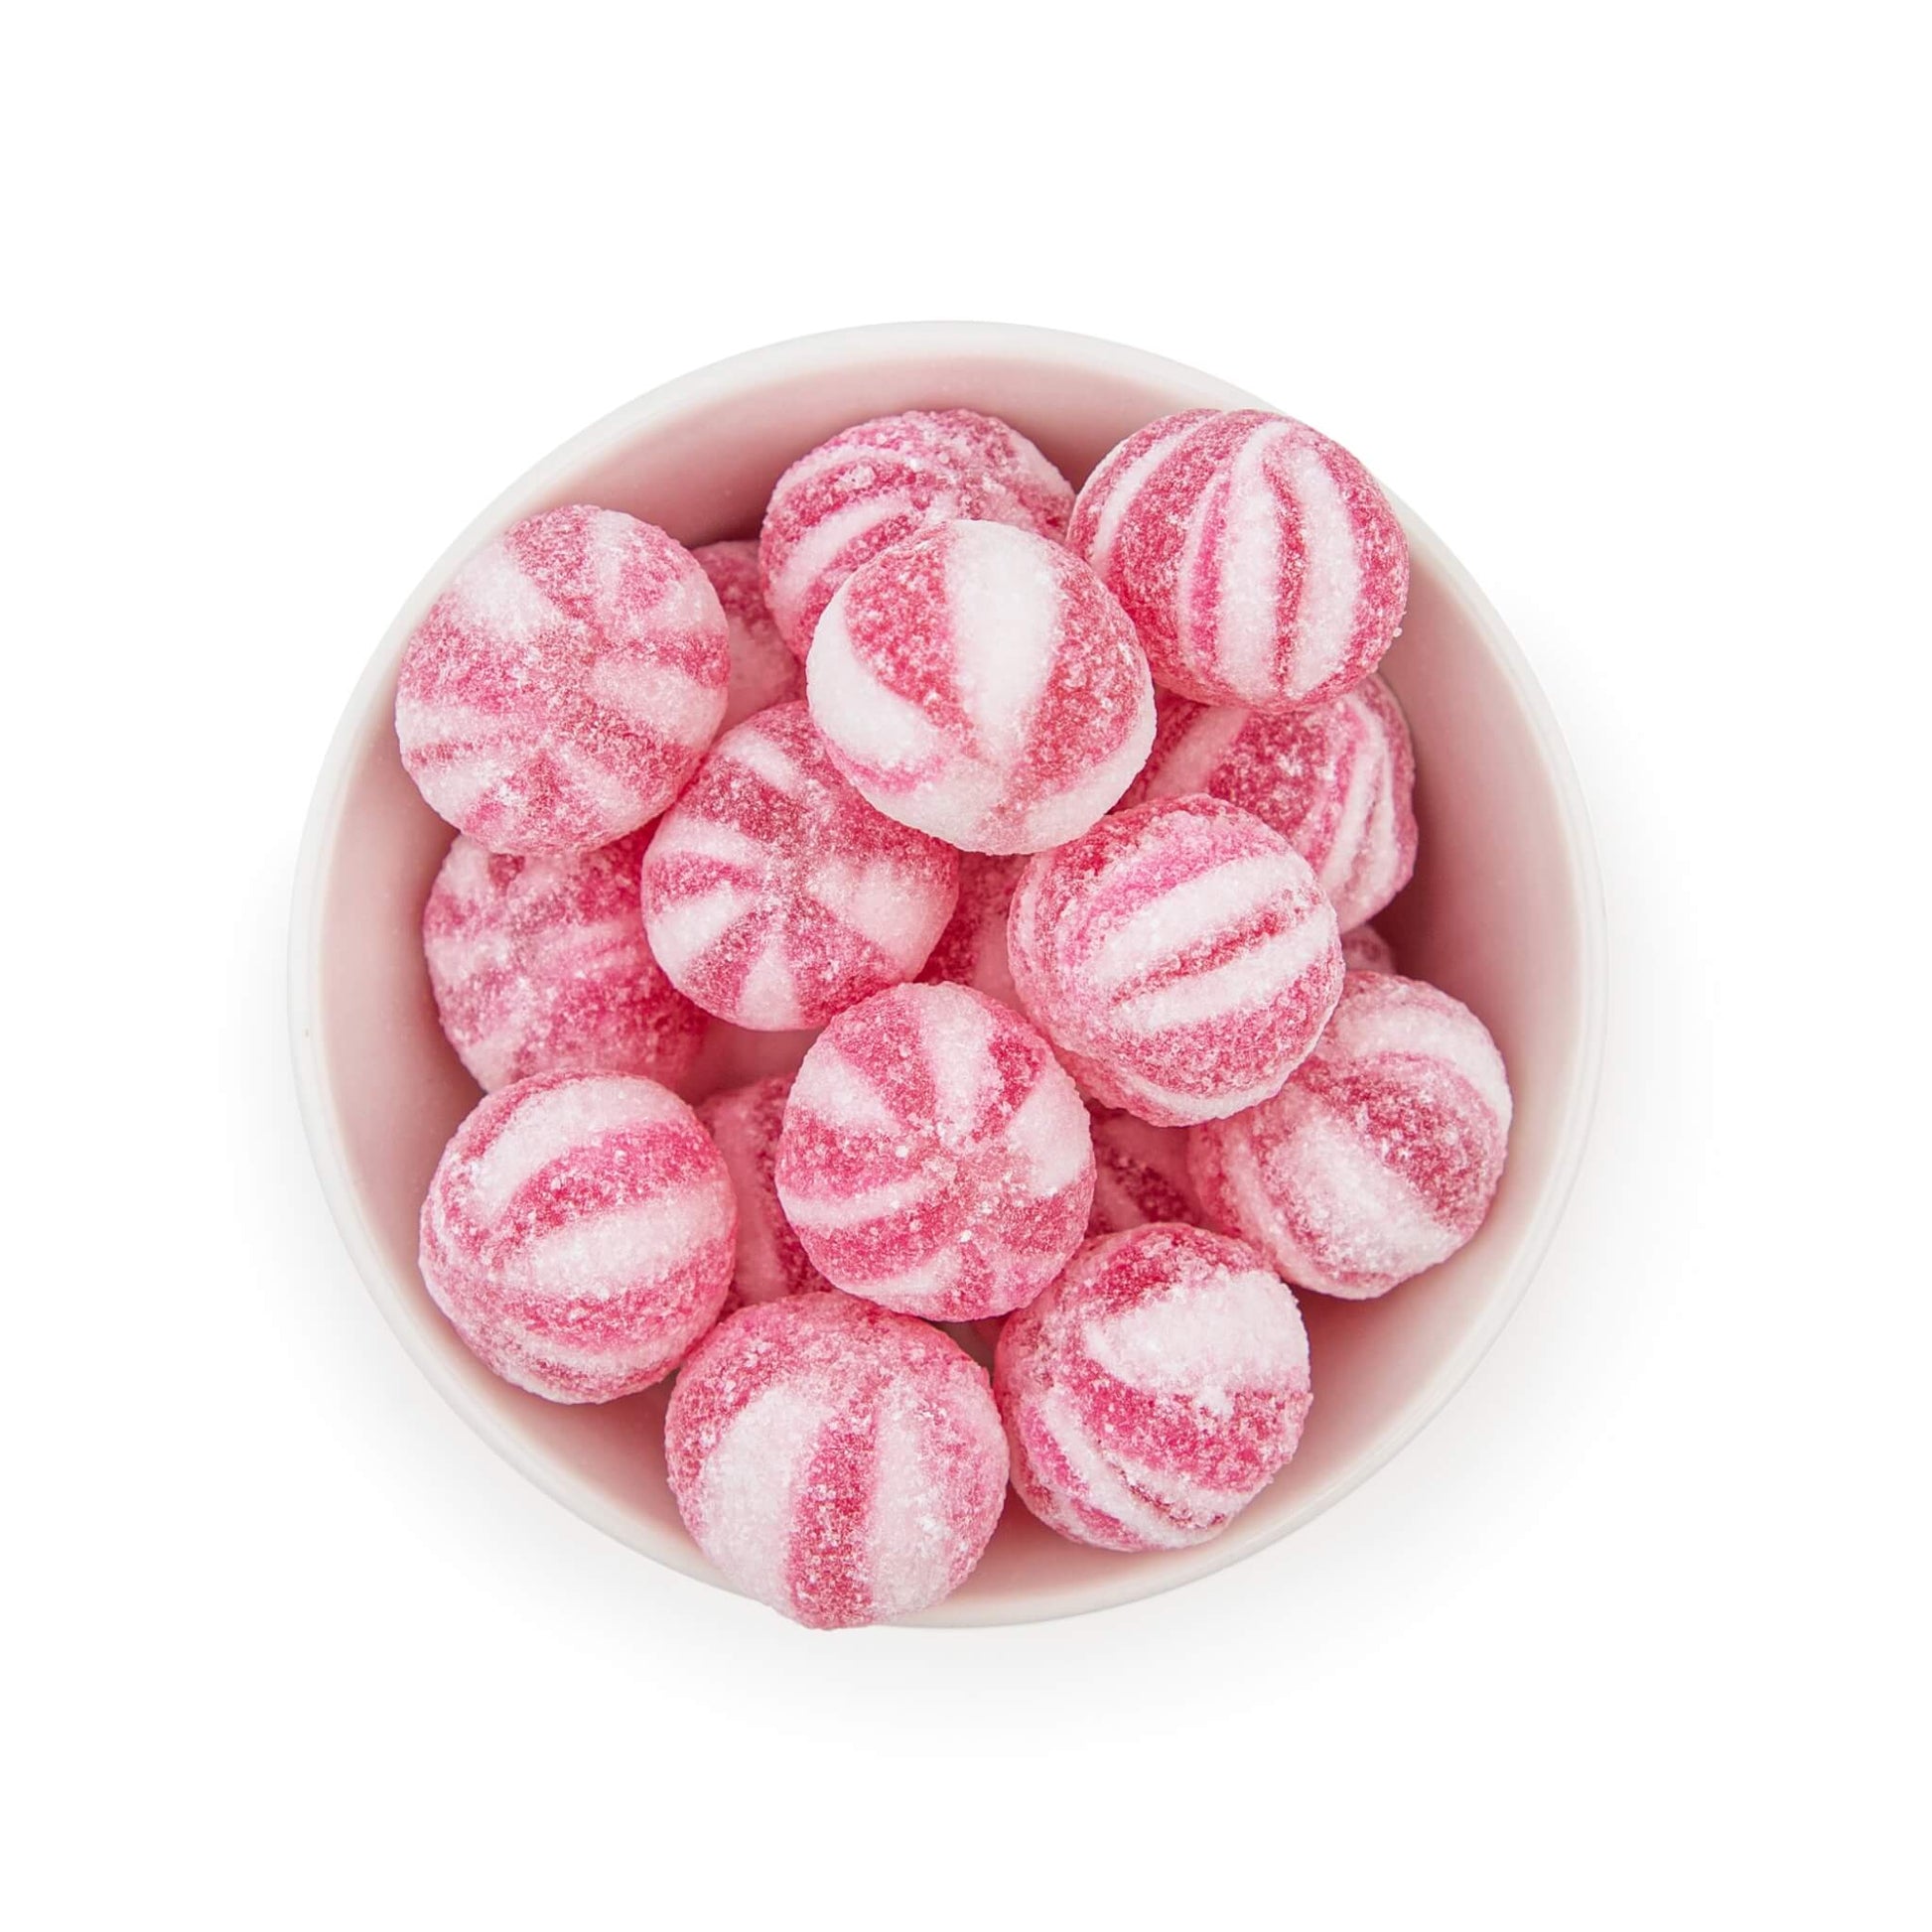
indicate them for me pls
(936, 1159)
(1181, 957)
(838, 1462)
(540, 966)
(1380, 1156)
(774, 896)
(981, 683)
(744, 1122)
(1337, 782)
(1154, 1390)
(762, 671)
(1139, 1173)
(578, 1233)
(875, 484)
(1364, 950)
(972, 951)
(1259, 560)
(562, 688)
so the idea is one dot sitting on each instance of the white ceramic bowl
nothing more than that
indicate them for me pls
(1504, 912)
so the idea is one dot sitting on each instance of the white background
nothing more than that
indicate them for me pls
(1623, 301)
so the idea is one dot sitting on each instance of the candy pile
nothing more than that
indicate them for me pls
(1038, 835)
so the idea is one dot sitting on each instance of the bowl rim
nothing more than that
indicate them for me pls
(699, 388)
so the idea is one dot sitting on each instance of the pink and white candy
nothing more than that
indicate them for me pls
(1336, 780)
(774, 896)
(1139, 1174)
(1364, 950)
(1260, 562)
(1380, 1156)
(578, 1232)
(972, 951)
(839, 1463)
(879, 482)
(1180, 956)
(936, 1159)
(562, 688)
(763, 671)
(540, 966)
(746, 1122)
(982, 683)
(1154, 1390)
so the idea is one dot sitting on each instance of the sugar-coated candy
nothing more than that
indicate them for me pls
(935, 1157)
(1180, 956)
(1336, 780)
(983, 684)
(1260, 562)
(839, 1463)
(579, 1232)
(1154, 1390)
(744, 1122)
(875, 484)
(563, 687)
(972, 951)
(763, 669)
(1364, 950)
(1139, 1173)
(1380, 1156)
(540, 966)
(773, 895)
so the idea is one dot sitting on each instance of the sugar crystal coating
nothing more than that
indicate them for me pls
(839, 1463)
(875, 484)
(936, 1159)
(1380, 1156)
(744, 1122)
(1139, 1173)
(1336, 780)
(541, 966)
(774, 896)
(1260, 562)
(578, 1233)
(763, 671)
(983, 684)
(1364, 950)
(1154, 1390)
(562, 688)
(972, 951)
(1180, 956)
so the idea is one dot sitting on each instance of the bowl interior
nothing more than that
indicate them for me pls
(1501, 914)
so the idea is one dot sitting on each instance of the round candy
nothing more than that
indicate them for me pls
(540, 966)
(972, 951)
(578, 1234)
(936, 1159)
(1380, 1156)
(979, 682)
(1154, 1390)
(762, 671)
(835, 1461)
(774, 896)
(1260, 562)
(562, 688)
(744, 1122)
(1181, 958)
(875, 484)
(1139, 1174)
(1337, 781)
(1364, 950)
